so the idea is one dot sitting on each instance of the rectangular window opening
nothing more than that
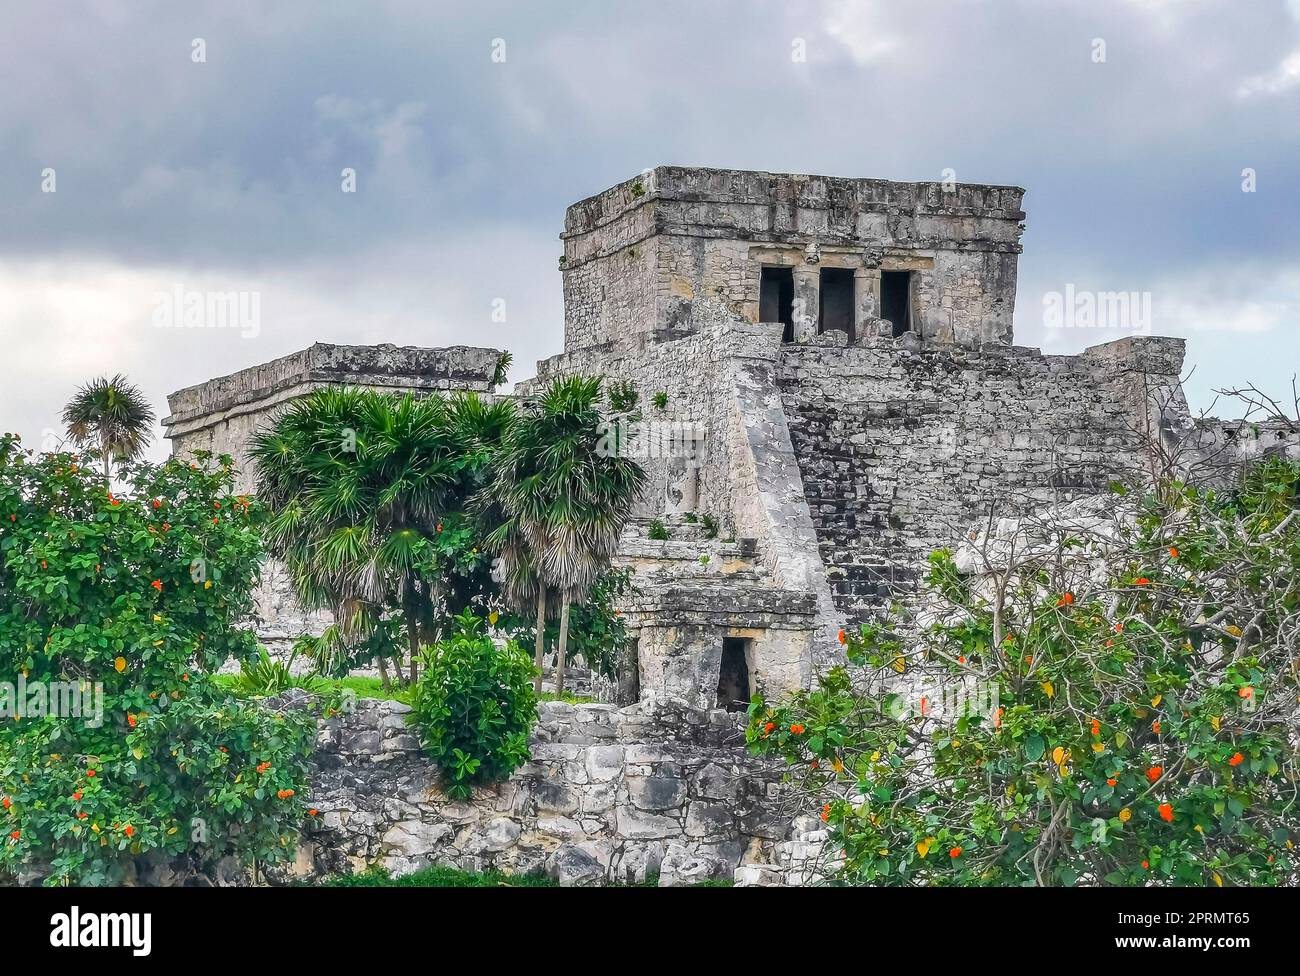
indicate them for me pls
(896, 300)
(836, 301)
(734, 688)
(776, 299)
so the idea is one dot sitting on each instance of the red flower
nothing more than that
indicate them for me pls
(157, 503)
(1141, 581)
(216, 521)
(439, 526)
(76, 795)
(90, 773)
(1166, 813)
(955, 852)
(1065, 600)
(826, 812)
(961, 658)
(128, 830)
(1111, 782)
(43, 565)
(130, 720)
(1173, 553)
(216, 504)
(16, 834)
(157, 585)
(814, 764)
(1145, 865)
(1154, 772)
(1236, 760)
(1247, 692)
(843, 638)
(312, 813)
(82, 815)
(8, 803)
(1155, 727)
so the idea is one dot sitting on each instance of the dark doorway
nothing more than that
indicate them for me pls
(776, 299)
(896, 299)
(836, 301)
(733, 677)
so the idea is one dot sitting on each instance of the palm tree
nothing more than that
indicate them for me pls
(564, 502)
(359, 485)
(111, 416)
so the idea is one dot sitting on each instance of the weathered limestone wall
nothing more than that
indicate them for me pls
(639, 253)
(903, 448)
(221, 415)
(658, 788)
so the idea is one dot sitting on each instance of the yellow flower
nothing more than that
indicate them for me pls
(1156, 700)
(1125, 815)
(207, 584)
(120, 664)
(1098, 747)
(1048, 689)
(923, 848)
(493, 617)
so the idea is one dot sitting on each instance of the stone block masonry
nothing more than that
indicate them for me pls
(221, 415)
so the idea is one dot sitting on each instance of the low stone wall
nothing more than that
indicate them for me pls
(611, 795)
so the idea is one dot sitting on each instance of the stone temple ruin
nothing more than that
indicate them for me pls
(837, 355)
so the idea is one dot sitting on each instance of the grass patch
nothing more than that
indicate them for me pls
(365, 687)
(440, 877)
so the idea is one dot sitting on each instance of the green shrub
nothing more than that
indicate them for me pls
(710, 526)
(657, 532)
(660, 400)
(130, 601)
(474, 706)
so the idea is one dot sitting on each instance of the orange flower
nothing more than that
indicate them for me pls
(8, 803)
(157, 503)
(1247, 692)
(16, 834)
(312, 813)
(843, 638)
(263, 767)
(1065, 600)
(76, 795)
(82, 815)
(1111, 782)
(814, 764)
(1096, 727)
(826, 812)
(1154, 772)
(128, 830)
(955, 852)
(223, 749)
(961, 658)
(1155, 727)
(157, 585)
(1173, 553)
(90, 773)
(1141, 581)
(797, 729)
(130, 720)
(1145, 865)
(1237, 759)
(1166, 813)
(1119, 628)
(1009, 639)
(284, 794)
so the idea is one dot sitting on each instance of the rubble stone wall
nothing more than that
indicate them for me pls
(610, 795)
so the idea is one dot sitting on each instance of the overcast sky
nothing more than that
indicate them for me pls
(200, 146)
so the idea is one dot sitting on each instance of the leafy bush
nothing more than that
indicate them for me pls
(660, 400)
(264, 677)
(710, 524)
(132, 599)
(657, 532)
(1130, 720)
(474, 706)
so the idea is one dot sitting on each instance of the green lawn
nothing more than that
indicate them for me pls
(441, 877)
(364, 687)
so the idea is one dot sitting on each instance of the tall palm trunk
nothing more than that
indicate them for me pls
(383, 672)
(564, 641)
(539, 651)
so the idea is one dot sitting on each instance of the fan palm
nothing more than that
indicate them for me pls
(564, 503)
(358, 484)
(112, 416)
